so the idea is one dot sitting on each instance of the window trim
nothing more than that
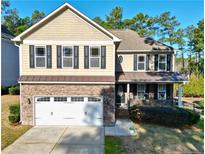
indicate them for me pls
(62, 56)
(144, 91)
(40, 46)
(160, 70)
(100, 56)
(165, 91)
(144, 55)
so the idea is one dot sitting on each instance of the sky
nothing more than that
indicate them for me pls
(188, 12)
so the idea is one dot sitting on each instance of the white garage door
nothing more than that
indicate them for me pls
(85, 111)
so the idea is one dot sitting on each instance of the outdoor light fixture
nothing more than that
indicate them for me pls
(29, 101)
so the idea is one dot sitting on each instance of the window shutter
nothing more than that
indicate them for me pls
(168, 91)
(147, 90)
(169, 60)
(135, 62)
(49, 56)
(86, 57)
(59, 57)
(135, 90)
(155, 91)
(103, 57)
(76, 57)
(156, 62)
(147, 62)
(31, 56)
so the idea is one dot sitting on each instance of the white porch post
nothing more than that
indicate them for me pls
(128, 92)
(180, 105)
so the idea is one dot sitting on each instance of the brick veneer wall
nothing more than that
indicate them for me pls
(30, 90)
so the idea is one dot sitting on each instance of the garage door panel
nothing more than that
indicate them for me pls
(69, 113)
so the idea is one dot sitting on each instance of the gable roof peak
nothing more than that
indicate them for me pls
(84, 17)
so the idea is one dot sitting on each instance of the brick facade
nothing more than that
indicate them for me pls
(28, 91)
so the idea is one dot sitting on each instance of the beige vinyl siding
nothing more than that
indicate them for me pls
(68, 26)
(109, 71)
(128, 63)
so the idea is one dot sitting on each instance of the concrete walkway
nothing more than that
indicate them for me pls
(59, 140)
(123, 127)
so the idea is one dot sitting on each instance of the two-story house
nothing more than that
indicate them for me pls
(75, 72)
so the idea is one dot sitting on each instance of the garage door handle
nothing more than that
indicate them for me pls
(51, 113)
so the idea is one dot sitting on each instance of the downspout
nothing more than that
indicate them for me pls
(20, 73)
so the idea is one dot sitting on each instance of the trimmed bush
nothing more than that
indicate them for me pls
(167, 116)
(14, 90)
(14, 109)
(4, 90)
(14, 116)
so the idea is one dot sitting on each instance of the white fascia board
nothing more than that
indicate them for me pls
(48, 82)
(43, 42)
(18, 38)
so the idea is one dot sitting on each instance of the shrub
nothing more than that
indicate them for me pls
(14, 116)
(201, 104)
(14, 90)
(195, 87)
(167, 116)
(4, 90)
(14, 109)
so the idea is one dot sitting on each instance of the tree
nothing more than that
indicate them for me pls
(99, 21)
(114, 20)
(167, 28)
(181, 43)
(198, 40)
(4, 6)
(37, 16)
(11, 21)
(143, 24)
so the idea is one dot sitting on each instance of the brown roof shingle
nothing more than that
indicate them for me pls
(130, 40)
(42, 78)
(150, 77)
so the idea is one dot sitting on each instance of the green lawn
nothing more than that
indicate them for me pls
(9, 133)
(158, 139)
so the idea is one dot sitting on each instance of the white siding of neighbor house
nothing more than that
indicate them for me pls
(9, 63)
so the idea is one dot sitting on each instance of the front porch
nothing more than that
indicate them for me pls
(143, 94)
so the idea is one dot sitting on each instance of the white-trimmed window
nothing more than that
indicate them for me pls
(95, 57)
(162, 62)
(162, 91)
(141, 91)
(67, 54)
(40, 56)
(141, 62)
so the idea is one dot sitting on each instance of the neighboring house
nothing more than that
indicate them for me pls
(75, 72)
(9, 59)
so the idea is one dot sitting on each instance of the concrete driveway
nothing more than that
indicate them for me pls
(59, 140)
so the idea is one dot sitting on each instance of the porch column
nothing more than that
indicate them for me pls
(180, 105)
(128, 92)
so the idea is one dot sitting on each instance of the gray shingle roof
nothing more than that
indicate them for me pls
(132, 41)
(150, 77)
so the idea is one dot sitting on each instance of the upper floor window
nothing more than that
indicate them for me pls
(40, 56)
(67, 56)
(141, 91)
(162, 65)
(95, 56)
(161, 91)
(141, 62)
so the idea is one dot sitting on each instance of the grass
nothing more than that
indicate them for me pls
(159, 139)
(9, 133)
(113, 145)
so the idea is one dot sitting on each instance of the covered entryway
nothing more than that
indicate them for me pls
(68, 110)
